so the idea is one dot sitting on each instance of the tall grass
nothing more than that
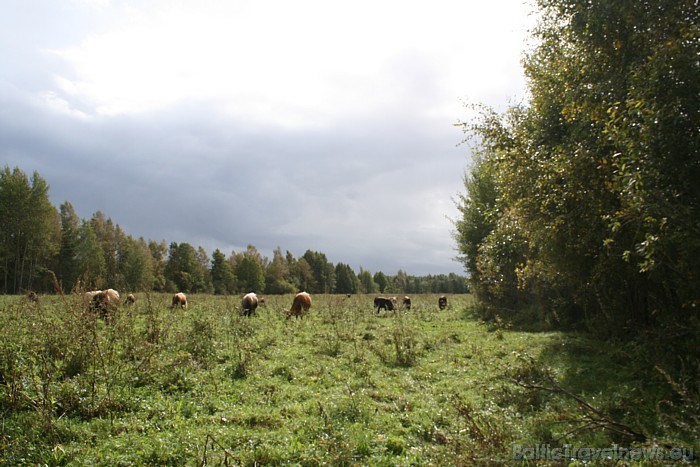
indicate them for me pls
(342, 386)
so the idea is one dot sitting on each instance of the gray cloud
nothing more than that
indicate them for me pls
(364, 193)
(371, 186)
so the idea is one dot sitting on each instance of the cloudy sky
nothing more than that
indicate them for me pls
(306, 124)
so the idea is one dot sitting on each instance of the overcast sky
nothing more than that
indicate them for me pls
(305, 124)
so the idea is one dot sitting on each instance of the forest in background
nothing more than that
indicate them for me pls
(36, 239)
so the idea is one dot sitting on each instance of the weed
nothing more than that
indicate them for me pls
(405, 341)
(341, 387)
(482, 427)
(199, 341)
(241, 367)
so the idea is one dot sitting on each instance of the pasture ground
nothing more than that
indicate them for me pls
(342, 386)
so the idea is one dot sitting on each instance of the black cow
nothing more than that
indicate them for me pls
(383, 303)
(407, 302)
(442, 302)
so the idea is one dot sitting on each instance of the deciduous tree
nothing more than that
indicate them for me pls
(584, 201)
(29, 231)
(346, 281)
(223, 279)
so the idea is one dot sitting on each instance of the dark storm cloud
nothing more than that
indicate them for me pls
(354, 192)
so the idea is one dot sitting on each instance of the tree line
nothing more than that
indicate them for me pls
(36, 239)
(582, 205)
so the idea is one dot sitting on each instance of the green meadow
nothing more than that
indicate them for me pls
(342, 386)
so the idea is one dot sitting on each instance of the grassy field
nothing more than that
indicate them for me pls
(342, 386)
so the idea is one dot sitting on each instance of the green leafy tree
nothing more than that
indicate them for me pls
(250, 275)
(223, 279)
(159, 255)
(68, 267)
(415, 285)
(479, 213)
(109, 237)
(29, 231)
(292, 266)
(277, 274)
(456, 284)
(204, 266)
(249, 267)
(584, 202)
(304, 275)
(367, 284)
(400, 282)
(136, 264)
(323, 272)
(89, 258)
(381, 281)
(184, 269)
(346, 281)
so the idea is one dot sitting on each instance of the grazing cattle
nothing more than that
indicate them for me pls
(383, 303)
(300, 305)
(87, 299)
(105, 302)
(249, 304)
(32, 296)
(442, 302)
(88, 295)
(406, 302)
(130, 299)
(179, 299)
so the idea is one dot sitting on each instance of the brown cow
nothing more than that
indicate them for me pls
(300, 305)
(179, 299)
(87, 299)
(32, 296)
(442, 302)
(249, 304)
(105, 302)
(130, 299)
(407, 302)
(88, 295)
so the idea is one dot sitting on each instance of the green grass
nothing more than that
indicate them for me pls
(342, 386)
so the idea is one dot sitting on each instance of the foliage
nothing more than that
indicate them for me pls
(584, 202)
(278, 276)
(89, 259)
(184, 269)
(249, 274)
(367, 284)
(345, 279)
(322, 271)
(68, 265)
(381, 280)
(28, 231)
(222, 276)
